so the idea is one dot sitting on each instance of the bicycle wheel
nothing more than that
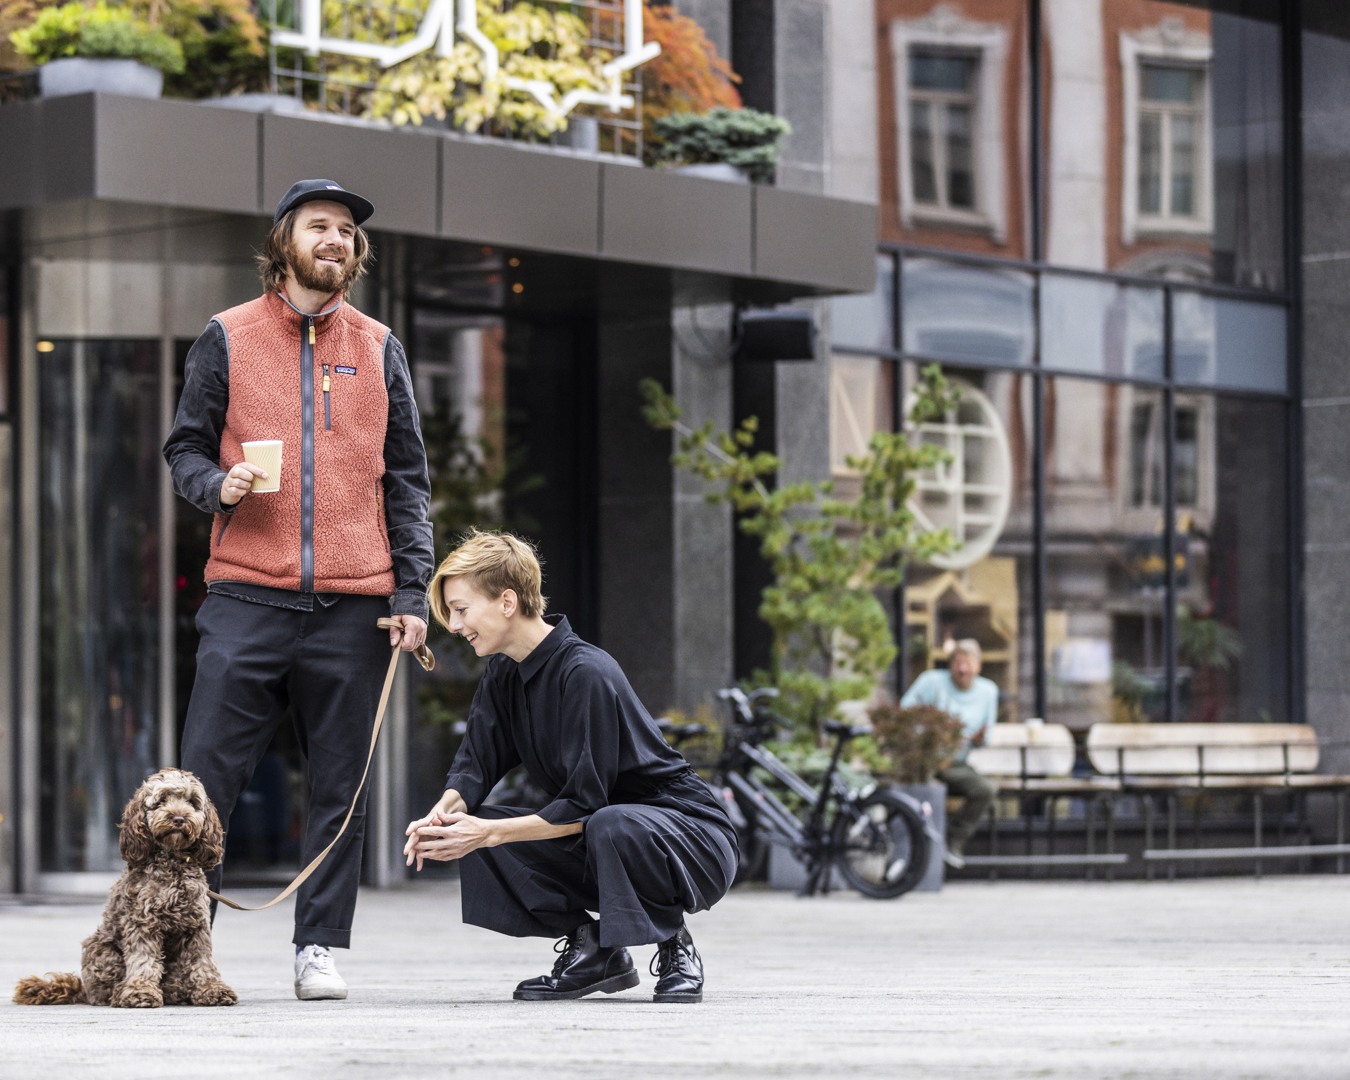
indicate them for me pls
(881, 845)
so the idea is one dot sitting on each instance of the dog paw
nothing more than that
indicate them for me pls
(137, 996)
(214, 994)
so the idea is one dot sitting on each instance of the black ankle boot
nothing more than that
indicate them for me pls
(678, 969)
(584, 967)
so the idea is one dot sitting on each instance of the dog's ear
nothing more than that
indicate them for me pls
(210, 845)
(135, 841)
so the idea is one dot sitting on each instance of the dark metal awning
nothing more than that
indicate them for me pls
(755, 241)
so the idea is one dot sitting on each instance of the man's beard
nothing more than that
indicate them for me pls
(317, 276)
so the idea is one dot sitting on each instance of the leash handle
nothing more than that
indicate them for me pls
(428, 661)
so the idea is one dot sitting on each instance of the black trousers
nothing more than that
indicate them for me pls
(327, 665)
(641, 867)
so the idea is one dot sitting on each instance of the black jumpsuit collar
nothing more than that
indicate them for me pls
(543, 652)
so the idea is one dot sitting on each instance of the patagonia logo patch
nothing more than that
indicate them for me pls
(341, 369)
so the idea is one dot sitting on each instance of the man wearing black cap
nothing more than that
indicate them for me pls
(297, 576)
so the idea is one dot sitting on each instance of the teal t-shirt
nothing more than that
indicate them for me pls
(976, 708)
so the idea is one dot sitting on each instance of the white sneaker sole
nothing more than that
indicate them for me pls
(320, 993)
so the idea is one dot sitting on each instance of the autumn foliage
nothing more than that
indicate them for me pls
(687, 77)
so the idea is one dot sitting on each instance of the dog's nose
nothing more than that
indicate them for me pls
(179, 819)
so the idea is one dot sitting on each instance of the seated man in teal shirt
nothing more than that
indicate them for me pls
(961, 690)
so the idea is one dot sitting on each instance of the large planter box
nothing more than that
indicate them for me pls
(935, 795)
(785, 872)
(82, 75)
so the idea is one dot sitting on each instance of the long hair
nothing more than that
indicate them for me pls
(274, 261)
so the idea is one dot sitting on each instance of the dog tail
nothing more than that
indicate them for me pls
(56, 989)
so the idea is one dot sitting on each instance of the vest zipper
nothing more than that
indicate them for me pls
(307, 456)
(327, 409)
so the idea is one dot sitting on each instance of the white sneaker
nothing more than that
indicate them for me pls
(954, 859)
(316, 977)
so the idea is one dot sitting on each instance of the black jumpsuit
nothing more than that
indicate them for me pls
(656, 842)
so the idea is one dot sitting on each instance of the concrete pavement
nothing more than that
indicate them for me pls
(1231, 978)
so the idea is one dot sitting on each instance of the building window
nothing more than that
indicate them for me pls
(1146, 461)
(942, 117)
(1168, 123)
(1171, 143)
(949, 80)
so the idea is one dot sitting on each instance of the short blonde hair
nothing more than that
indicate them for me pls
(491, 563)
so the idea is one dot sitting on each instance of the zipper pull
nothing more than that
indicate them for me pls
(311, 331)
(327, 382)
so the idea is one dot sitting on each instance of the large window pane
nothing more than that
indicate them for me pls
(1101, 327)
(866, 320)
(1233, 587)
(100, 467)
(1105, 570)
(1218, 341)
(982, 589)
(966, 314)
(1164, 138)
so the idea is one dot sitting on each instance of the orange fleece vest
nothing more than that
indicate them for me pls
(263, 541)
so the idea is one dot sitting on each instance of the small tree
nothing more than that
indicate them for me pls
(829, 556)
(686, 76)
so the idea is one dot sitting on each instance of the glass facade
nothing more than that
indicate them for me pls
(99, 593)
(1123, 351)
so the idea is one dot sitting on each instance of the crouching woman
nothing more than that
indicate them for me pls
(630, 831)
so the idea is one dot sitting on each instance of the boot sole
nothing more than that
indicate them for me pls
(612, 985)
(686, 997)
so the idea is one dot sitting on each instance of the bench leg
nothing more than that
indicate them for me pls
(1256, 826)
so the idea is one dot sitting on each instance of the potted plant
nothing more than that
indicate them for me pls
(80, 49)
(739, 141)
(535, 43)
(916, 742)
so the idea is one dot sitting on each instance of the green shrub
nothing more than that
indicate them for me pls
(746, 138)
(97, 32)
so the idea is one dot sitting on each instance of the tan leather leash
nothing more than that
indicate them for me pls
(428, 662)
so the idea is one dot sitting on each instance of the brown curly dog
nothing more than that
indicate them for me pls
(153, 946)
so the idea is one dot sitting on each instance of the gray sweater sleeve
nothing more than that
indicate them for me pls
(193, 446)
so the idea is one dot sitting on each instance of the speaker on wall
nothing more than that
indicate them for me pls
(775, 334)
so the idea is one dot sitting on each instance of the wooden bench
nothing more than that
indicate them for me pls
(1033, 763)
(1166, 760)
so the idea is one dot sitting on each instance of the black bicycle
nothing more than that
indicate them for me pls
(878, 840)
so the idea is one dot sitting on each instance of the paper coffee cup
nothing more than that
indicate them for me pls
(266, 454)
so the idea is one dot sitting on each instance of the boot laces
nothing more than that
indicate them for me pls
(674, 954)
(567, 949)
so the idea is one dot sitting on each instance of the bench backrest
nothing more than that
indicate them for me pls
(1195, 749)
(1048, 751)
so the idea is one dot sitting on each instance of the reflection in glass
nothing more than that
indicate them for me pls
(982, 589)
(952, 108)
(99, 592)
(966, 314)
(941, 106)
(865, 320)
(1105, 570)
(1166, 160)
(1101, 327)
(1219, 341)
(1232, 600)
(860, 406)
(1171, 114)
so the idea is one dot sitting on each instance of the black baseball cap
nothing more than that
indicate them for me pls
(303, 191)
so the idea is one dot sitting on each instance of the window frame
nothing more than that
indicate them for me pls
(987, 45)
(1174, 50)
